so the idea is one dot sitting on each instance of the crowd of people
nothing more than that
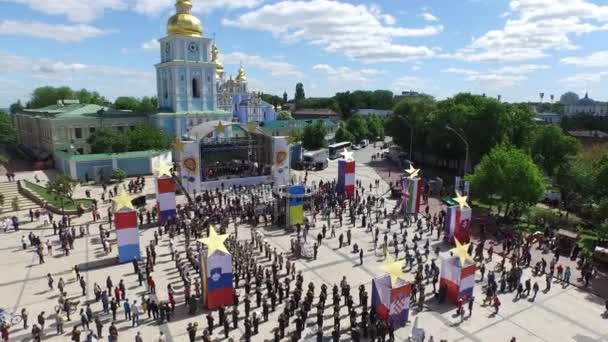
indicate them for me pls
(266, 279)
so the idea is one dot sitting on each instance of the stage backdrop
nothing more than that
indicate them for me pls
(280, 161)
(190, 165)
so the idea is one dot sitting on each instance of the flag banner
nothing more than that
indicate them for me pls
(166, 200)
(167, 215)
(346, 177)
(457, 224)
(128, 236)
(217, 282)
(126, 253)
(165, 185)
(125, 219)
(411, 195)
(296, 204)
(459, 281)
(391, 302)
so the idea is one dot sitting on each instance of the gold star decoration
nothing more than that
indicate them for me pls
(252, 127)
(220, 128)
(461, 200)
(394, 269)
(412, 171)
(215, 242)
(461, 251)
(348, 155)
(122, 201)
(163, 169)
(178, 145)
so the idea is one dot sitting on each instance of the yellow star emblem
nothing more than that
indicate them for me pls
(220, 128)
(394, 269)
(215, 242)
(178, 145)
(461, 200)
(252, 127)
(164, 169)
(461, 251)
(122, 201)
(412, 171)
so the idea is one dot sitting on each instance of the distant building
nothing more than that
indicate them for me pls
(314, 113)
(407, 94)
(587, 105)
(379, 112)
(589, 137)
(548, 118)
(67, 126)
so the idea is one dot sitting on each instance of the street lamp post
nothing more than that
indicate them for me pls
(466, 144)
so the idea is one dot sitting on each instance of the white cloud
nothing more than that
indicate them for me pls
(156, 7)
(412, 83)
(80, 11)
(596, 59)
(360, 32)
(275, 68)
(111, 81)
(429, 17)
(151, 45)
(583, 80)
(60, 33)
(535, 27)
(347, 76)
(506, 76)
(416, 67)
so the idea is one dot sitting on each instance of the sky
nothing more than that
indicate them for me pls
(512, 48)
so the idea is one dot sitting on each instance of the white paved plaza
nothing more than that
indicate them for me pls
(562, 314)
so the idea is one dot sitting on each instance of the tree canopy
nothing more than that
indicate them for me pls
(313, 137)
(552, 148)
(46, 96)
(274, 100)
(145, 105)
(299, 95)
(284, 115)
(342, 134)
(141, 138)
(510, 176)
(7, 129)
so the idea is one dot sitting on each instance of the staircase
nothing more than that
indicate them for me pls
(10, 191)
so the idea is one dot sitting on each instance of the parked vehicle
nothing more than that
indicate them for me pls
(364, 143)
(336, 149)
(316, 160)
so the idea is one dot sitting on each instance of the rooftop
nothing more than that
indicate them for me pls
(589, 134)
(96, 156)
(69, 109)
(315, 111)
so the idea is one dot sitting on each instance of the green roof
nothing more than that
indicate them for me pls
(97, 156)
(195, 112)
(280, 124)
(79, 110)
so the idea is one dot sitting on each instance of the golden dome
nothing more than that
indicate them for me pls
(215, 59)
(241, 77)
(183, 23)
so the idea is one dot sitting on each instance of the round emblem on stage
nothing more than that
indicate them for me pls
(190, 164)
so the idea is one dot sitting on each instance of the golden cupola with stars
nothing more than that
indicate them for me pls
(240, 76)
(183, 23)
(215, 59)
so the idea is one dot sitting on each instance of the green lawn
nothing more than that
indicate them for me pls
(55, 200)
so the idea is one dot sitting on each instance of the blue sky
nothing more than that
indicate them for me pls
(515, 48)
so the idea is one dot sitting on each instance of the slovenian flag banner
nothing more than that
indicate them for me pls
(296, 204)
(457, 224)
(346, 177)
(127, 235)
(459, 281)
(391, 304)
(216, 272)
(411, 190)
(165, 198)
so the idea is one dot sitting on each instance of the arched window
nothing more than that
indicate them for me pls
(196, 93)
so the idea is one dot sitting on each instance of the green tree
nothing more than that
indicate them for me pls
(357, 126)
(107, 140)
(284, 115)
(375, 127)
(601, 178)
(300, 95)
(147, 137)
(62, 186)
(147, 105)
(16, 107)
(574, 180)
(46, 96)
(342, 134)
(552, 148)
(91, 97)
(285, 99)
(510, 176)
(126, 103)
(119, 175)
(296, 135)
(272, 99)
(314, 136)
(7, 129)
